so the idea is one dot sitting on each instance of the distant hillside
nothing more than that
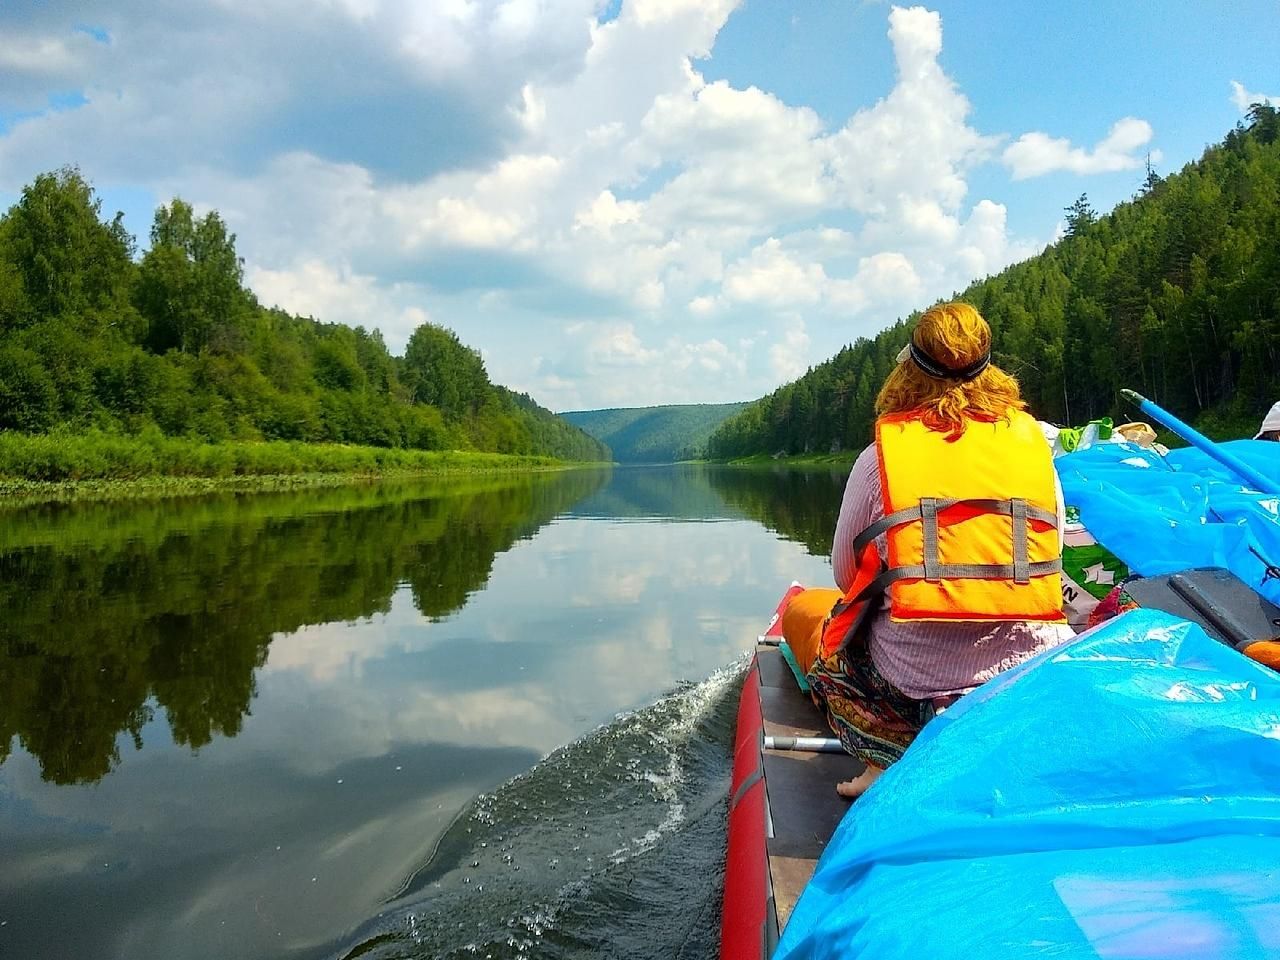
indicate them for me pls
(654, 434)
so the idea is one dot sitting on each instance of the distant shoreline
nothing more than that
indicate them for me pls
(62, 468)
(842, 459)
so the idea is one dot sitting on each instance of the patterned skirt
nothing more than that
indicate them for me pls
(873, 719)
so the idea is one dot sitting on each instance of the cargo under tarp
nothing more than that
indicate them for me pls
(1117, 797)
(1164, 514)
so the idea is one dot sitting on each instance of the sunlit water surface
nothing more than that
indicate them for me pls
(484, 718)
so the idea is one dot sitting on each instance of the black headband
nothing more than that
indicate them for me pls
(936, 370)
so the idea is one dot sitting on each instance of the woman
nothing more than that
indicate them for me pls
(961, 581)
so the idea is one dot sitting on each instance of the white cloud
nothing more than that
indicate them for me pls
(769, 275)
(788, 355)
(702, 306)
(882, 278)
(614, 345)
(629, 370)
(1035, 154)
(914, 145)
(1244, 99)
(570, 196)
(710, 356)
(49, 56)
(338, 295)
(606, 212)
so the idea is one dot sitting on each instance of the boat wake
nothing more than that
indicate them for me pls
(611, 846)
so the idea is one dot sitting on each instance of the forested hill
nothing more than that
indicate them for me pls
(94, 337)
(1175, 294)
(655, 434)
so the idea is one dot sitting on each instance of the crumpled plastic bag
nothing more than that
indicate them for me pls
(1164, 514)
(1071, 439)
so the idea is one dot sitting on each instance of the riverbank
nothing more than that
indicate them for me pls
(71, 467)
(842, 459)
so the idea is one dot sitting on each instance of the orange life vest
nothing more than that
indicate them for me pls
(971, 524)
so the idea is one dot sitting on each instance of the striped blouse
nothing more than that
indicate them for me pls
(926, 660)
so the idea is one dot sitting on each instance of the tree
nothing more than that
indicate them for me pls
(1150, 182)
(1080, 216)
(1264, 122)
(70, 264)
(28, 397)
(441, 371)
(191, 280)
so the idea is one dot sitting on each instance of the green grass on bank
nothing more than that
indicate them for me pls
(66, 466)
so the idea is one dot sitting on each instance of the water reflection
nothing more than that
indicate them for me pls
(236, 726)
(799, 504)
(113, 610)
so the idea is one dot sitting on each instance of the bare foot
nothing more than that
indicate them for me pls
(858, 785)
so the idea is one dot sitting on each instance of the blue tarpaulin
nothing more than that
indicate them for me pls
(1118, 797)
(1164, 514)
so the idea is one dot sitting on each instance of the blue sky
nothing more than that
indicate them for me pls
(624, 203)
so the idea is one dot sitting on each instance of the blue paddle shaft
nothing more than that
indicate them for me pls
(1248, 474)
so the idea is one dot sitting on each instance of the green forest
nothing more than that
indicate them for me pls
(1175, 294)
(97, 341)
(655, 434)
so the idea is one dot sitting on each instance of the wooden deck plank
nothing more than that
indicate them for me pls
(803, 804)
(774, 671)
(790, 874)
(789, 713)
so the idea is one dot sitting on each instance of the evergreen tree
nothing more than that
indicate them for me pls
(1080, 216)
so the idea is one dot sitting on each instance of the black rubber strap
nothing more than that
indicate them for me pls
(941, 372)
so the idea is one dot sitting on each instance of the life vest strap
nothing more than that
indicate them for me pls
(929, 517)
(957, 571)
(1021, 562)
(911, 514)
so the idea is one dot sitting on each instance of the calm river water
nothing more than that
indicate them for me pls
(488, 718)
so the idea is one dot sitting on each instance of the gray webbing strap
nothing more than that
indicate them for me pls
(1021, 562)
(882, 526)
(898, 517)
(1005, 508)
(957, 571)
(929, 516)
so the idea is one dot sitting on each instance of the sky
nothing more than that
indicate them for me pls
(624, 202)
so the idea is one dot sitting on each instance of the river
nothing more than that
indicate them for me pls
(482, 718)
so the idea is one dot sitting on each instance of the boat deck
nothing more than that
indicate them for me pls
(804, 808)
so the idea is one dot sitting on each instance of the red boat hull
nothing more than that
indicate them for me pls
(748, 926)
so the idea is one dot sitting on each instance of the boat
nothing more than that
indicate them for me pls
(773, 847)
(783, 809)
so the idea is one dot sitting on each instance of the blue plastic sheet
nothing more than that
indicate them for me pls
(1117, 797)
(1164, 514)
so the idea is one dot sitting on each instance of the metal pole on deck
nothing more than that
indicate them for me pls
(804, 744)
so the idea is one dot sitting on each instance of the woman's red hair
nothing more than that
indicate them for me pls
(955, 335)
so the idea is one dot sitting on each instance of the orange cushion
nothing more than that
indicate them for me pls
(802, 623)
(1265, 652)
